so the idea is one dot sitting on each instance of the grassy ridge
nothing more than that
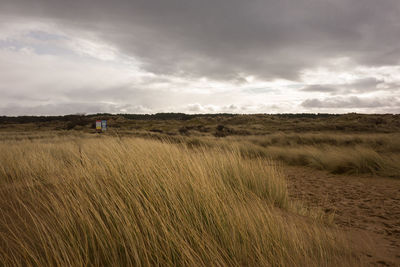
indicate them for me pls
(353, 154)
(377, 154)
(347, 143)
(110, 201)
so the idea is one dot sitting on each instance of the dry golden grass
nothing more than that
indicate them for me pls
(338, 153)
(377, 154)
(72, 201)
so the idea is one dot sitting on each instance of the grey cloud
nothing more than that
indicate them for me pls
(223, 39)
(359, 86)
(151, 98)
(365, 85)
(198, 108)
(69, 108)
(194, 107)
(352, 102)
(392, 86)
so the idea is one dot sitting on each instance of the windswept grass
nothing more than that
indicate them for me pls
(353, 154)
(377, 154)
(133, 202)
(357, 160)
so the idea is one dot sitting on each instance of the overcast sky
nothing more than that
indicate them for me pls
(199, 56)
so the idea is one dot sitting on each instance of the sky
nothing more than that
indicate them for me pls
(209, 56)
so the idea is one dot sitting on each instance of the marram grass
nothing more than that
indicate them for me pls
(132, 202)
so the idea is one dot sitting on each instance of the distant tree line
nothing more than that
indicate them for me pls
(82, 119)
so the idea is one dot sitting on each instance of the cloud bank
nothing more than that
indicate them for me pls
(198, 56)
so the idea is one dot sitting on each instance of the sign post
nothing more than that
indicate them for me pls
(98, 126)
(103, 125)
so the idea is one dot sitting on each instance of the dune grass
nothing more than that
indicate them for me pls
(338, 153)
(72, 201)
(377, 154)
(357, 160)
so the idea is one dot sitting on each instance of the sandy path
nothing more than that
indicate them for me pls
(367, 208)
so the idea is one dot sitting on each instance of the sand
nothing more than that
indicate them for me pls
(367, 208)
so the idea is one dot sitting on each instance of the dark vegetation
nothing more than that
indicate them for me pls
(217, 124)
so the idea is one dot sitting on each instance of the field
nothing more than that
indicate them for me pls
(221, 190)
